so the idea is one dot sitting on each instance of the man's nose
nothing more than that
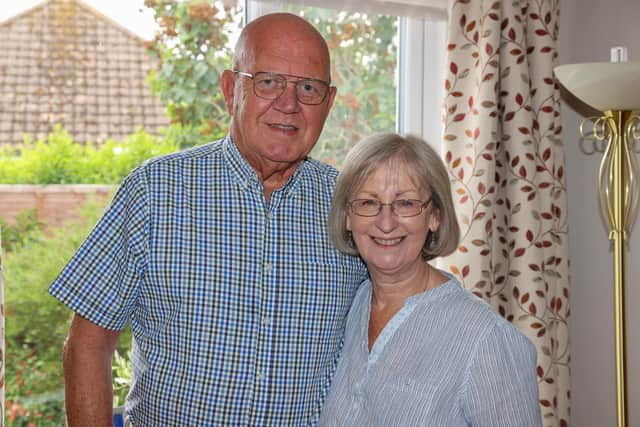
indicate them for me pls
(288, 100)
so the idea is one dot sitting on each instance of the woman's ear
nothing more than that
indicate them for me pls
(433, 223)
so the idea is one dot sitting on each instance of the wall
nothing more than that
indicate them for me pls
(54, 204)
(588, 28)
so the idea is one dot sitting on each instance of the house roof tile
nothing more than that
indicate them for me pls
(65, 63)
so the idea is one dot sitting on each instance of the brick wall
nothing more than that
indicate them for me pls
(54, 204)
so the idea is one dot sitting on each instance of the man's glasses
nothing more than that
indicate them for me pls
(271, 86)
(400, 207)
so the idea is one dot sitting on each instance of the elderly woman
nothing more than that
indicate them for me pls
(419, 349)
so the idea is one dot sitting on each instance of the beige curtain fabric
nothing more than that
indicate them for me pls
(503, 151)
(2, 387)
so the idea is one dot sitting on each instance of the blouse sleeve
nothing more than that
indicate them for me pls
(501, 387)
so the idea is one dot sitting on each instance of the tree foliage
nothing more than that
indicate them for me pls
(363, 67)
(193, 49)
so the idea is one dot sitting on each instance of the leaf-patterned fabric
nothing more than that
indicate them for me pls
(505, 157)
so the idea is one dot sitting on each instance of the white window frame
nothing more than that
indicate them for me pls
(421, 71)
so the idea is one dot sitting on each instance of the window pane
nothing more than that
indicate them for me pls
(364, 53)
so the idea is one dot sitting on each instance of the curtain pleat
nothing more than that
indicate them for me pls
(505, 157)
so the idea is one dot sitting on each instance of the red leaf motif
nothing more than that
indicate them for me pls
(534, 267)
(471, 26)
(451, 46)
(447, 85)
(476, 133)
(560, 172)
(448, 156)
(532, 309)
(523, 130)
(481, 188)
(546, 49)
(512, 34)
(459, 117)
(547, 154)
(487, 76)
(465, 271)
(470, 101)
(454, 68)
(547, 109)
(541, 32)
(523, 172)
(529, 236)
(540, 373)
(488, 48)
(525, 298)
(509, 116)
(519, 252)
(515, 161)
(456, 163)
(456, 94)
(504, 23)
(519, 99)
(461, 174)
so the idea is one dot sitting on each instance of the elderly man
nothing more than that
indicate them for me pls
(219, 258)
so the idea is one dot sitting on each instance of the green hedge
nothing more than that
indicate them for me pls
(60, 160)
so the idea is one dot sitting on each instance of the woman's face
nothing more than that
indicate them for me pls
(389, 244)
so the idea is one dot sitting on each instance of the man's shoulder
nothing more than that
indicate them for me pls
(204, 151)
(320, 170)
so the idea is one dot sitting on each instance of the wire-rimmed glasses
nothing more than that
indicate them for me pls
(271, 86)
(400, 207)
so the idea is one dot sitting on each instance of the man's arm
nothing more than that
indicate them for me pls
(87, 356)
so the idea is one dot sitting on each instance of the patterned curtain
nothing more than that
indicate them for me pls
(1, 340)
(504, 154)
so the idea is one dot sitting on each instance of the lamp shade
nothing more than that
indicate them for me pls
(603, 85)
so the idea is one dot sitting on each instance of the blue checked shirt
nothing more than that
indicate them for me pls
(237, 306)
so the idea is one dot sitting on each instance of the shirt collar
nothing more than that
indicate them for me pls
(247, 176)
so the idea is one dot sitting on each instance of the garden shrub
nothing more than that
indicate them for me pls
(36, 323)
(16, 235)
(60, 160)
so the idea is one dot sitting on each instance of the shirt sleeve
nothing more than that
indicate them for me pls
(501, 388)
(102, 279)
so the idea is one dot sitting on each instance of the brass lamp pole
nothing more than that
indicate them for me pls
(613, 88)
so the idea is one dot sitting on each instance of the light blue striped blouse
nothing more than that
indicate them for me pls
(445, 359)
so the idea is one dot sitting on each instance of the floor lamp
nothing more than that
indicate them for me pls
(613, 88)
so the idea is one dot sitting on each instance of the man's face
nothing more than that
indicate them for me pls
(283, 130)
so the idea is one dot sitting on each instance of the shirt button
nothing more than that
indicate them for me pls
(267, 267)
(269, 216)
(265, 321)
(260, 376)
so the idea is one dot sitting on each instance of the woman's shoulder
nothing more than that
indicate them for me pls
(471, 312)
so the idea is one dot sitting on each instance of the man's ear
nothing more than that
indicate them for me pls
(228, 84)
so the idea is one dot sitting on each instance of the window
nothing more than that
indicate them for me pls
(388, 69)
